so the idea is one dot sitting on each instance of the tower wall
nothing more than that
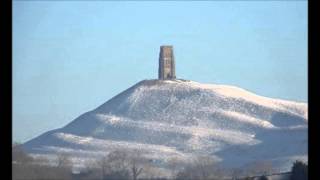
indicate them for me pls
(166, 63)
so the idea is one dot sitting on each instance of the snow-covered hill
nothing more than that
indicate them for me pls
(179, 118)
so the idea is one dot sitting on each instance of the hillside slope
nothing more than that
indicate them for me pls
(183, 119)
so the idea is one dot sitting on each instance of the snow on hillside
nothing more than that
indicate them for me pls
(182, 119)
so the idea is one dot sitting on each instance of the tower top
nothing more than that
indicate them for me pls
(166, 46)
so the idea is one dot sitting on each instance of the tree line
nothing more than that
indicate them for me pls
(125, 164)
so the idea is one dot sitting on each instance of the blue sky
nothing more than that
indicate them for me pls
(71, 56)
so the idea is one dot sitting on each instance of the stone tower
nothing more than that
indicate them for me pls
(166, 63)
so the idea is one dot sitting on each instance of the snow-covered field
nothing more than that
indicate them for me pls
(184, 119)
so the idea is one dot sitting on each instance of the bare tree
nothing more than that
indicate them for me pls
(114, 165)
(119, 159)
(125, 164)
(259, 168)
(63, 160)
(235, 173)
(137, 162)
(92, 170)
(151, 172)
(202, 167)
(102, 165)
(39, 169)
(173, 164)
(19, 156)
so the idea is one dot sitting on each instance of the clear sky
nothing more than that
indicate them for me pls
(71, 56)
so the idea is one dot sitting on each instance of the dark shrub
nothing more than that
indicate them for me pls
(299, 171)
(124, 174)
(263, 178)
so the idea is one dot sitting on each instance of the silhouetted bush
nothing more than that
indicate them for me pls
(247, 178)
(299, 171)
(263, 178)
